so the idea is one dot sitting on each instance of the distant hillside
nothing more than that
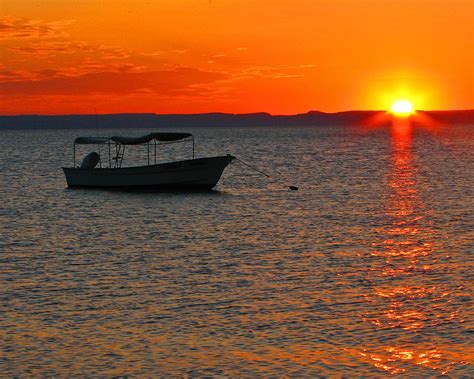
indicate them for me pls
(150, 120)
(452, 117)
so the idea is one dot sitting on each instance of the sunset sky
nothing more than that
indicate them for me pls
(193, 56)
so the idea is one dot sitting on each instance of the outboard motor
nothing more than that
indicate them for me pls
(90, 160)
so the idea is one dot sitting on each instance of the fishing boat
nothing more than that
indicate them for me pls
(196, 174)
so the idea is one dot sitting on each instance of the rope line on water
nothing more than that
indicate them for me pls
(252, 167)
(293, 188)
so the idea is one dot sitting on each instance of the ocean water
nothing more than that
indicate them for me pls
(367, 270)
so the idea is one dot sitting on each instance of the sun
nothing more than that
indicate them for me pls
(402, 108)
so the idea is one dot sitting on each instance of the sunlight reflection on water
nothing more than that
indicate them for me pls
(411, 300)
(366, 270)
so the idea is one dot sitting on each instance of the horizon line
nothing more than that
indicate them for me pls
(229, 113)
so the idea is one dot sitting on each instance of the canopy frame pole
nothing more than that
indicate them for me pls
(117, 152)
(100, 156)
(123, 153)
(118, 148)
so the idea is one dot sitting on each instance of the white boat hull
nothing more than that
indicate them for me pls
(200, 174)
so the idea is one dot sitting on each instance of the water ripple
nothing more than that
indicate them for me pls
(365, 271)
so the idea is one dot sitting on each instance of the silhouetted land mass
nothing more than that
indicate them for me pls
(151, 120)
(451, 117)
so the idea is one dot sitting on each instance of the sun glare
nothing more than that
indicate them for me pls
(402, 108)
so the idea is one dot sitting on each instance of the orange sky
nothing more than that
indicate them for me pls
(278, 56)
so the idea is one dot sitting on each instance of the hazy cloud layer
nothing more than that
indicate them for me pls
(44, 62)
(163, 82)
(16, 27)
(52, 48)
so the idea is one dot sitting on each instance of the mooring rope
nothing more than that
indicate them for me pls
(293, 188)
(252, 167)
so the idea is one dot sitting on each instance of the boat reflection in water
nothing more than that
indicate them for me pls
(410, 295)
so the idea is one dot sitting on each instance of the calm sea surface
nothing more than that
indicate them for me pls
(367, 270)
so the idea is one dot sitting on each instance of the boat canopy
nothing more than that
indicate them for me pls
(91, 140)
(164, 137)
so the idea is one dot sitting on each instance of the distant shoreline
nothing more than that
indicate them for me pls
(152, 120)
